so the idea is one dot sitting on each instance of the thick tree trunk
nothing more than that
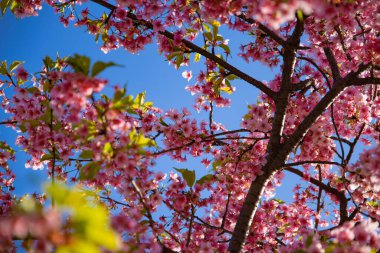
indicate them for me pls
(248, 211)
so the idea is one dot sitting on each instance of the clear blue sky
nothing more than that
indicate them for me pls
(31, 39)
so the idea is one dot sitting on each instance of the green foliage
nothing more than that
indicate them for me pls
(88, 220)
(204, 179)
(86, 154)
(89, 171)
(309, 240)
(188, 175)
(4, 4)
(107, 149)
(82, 64)
(6, 147)
(99, 66)
(139, 140)
(14, 65)
(4, 70)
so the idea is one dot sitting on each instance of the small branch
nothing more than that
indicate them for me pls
(333, 63)
(317, 67)
(342, 139)
(353, 144)
(366, 80)
(312, 162)
(343, 202)
(273, 35)
(190, 225)
(341, 39)
(8, 122)
(318, 198)
(115, 201)
(210, 118)
(204, 139)
(225, 211)
(146, 207)
(337, 133)
(302, 85)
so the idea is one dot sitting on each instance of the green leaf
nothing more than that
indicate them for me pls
(101, 66)
(140, 98)
(179, 60)
(22, 128)
(216, 164)
(206, 27)
(300, 14)
(4, 6)
(227, 89)
(140, 140)
(3, 68)
(208, 36)
(205, 179)
(373, 203)
(49, 63)
(89, 171)
(226, 48)
(162, 122)
(47, 118)
(107, 149)
(13, 5)
(46, 157)
(231, 77)
(80, 64)
(309, 240)
(86, 154)
(197, 57)
(122, 103)
(14, 65)
(119, 94)
(188, 175)
(172, 55)
(215, 23)
(215, 29)
(279, 201)
(6, 147)
(33, 90)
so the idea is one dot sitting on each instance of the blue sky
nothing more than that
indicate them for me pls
(31, 39)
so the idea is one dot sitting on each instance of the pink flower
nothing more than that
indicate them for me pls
(187, 75)
(22, 74)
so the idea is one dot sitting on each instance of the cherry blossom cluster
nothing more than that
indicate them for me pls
(257, 119)
(26, 8)
(350, 237)
(71, 95)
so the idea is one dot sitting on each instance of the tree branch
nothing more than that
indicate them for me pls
(343, 202)
(302, 85)
(317, 67)
(367, 80)
(282, 98)
(312, 162)
(332, 62)
(258, 84)
(273, 35)
(256, 189)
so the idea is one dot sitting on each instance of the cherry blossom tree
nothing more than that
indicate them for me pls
(308, 121)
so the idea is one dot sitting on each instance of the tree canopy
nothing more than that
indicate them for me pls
(99, 150)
